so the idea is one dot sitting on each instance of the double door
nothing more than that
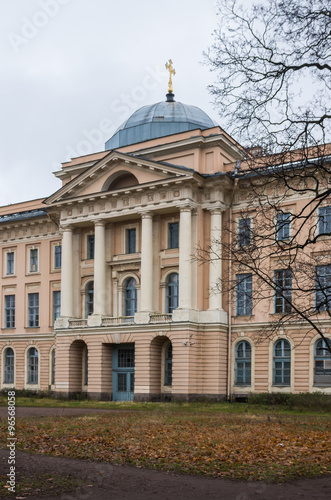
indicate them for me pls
(123, 372)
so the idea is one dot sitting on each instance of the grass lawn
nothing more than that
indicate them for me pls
(220, 440)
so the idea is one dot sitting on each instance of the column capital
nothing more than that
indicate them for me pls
(99, 222)
(146, 214)
(66, 227)
(215, 208)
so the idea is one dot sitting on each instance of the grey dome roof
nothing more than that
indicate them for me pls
(159, 120)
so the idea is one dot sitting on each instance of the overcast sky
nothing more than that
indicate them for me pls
(74, 70)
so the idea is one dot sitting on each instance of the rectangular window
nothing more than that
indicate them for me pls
(90, 246)
(33, 260)
(244, 232)
(56, 305)
(57, 256)
(33, 309)
(9, 311)
(10, 263)
(283, 292)
(244, 294)
(324, 220)
(283, 226)
(173, 235)
(131, 240)
(323, 287)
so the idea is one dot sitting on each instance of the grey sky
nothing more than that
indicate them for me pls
(74, 70)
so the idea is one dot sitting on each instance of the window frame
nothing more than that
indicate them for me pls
(32, 258)
(90, 247)
(33, 310)
(324, 301)
(56, 305)
(172, 293)
(8, 273)
(130, 297)
(282, 360)
(245, 360)
(324, 221)
(322, 358)
(89, 302)
(130, 242)
(10, 312)
(244, 232)
(11, 365)
(283, 227)
(173, 235)
(33, 369)
(282, 277)
(245, 279)
(57, 256)
(168, 365)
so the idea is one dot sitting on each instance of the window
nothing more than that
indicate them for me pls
(9, 366)
(33, 260)
(33, 309)
(244, 294)
(131, 240)
(168, 365)
(282, 363)
(89, 298)
(283, 226)
(56, 305)
(322, 374)
(57, 256)
(32, 366)
(172, 292)
(324, 220)
(10, 263)
(323, 287)
(53, 367)
(243, 363)
(173, 235)
(283, 292)
(130, 297)
(9, 311)
(90, 247)
(244, 232)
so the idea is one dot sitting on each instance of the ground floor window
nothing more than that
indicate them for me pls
(168, 365)
(282, 363)
(243, 365)
(33, 366)
(322, 374)
(9, 366)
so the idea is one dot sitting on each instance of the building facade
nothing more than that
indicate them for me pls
(101, 289)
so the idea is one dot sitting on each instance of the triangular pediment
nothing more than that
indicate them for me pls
(115, 172)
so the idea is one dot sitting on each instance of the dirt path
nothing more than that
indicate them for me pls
(105, 481)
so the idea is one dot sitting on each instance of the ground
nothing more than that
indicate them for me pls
(66, 478)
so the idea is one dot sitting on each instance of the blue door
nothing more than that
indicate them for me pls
(123, 372)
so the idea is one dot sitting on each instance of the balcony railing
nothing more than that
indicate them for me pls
(77, 323)
(160, 318)
(120, 320)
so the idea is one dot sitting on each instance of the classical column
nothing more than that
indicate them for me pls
(215, 265)
(146, 289)
(99, 269)
(185, 256)
(67, 274)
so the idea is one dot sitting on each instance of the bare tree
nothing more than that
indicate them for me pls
(273, 65)
(272, 61)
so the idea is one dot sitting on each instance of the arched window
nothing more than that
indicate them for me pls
(322, 375)
(32, 366)
(9, 366)
(130, 297)
(168, 365)
(53, 367)
(282, 363)
(243, 363)
(89, 298)
(172, 292)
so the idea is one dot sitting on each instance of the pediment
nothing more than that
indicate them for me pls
(116, 172)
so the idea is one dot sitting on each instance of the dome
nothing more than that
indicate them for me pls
(159, 120)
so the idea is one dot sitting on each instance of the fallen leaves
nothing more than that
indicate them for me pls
(220, 445)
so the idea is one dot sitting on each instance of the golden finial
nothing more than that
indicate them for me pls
(172, 71)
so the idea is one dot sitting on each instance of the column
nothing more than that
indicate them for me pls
(67, 274)
(146, 289)
(185, 256)
(99, 269)
(215, 265)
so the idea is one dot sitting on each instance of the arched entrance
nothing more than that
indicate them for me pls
(161, 368)
(78, 367)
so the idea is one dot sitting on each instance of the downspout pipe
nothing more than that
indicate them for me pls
(228, 388)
